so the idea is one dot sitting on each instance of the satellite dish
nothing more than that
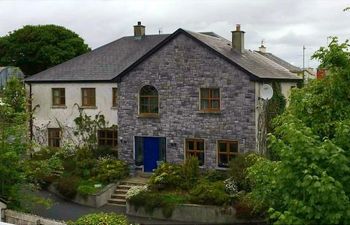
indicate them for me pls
(266, 92)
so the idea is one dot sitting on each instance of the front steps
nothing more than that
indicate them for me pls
(118, 198)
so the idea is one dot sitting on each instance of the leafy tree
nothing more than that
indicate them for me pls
(12, 141)
(36, 48)
(310, 183)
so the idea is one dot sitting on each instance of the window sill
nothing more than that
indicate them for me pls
(114, 107)
(58, 107)
(222, 168)
(88, 107)
(154, 116)
(209, 112)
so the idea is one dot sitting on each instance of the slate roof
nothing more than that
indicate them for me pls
(114, 60)
(281, 62)
(101, 64)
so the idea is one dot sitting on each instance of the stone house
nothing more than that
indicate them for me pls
(170, 95)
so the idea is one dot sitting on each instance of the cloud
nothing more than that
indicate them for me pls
(284, 25)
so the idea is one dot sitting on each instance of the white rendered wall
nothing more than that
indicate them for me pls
(47, 116)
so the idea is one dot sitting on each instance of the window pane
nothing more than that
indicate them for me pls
(215, 104)
(201, 158)
(234, 147)
(215, 93)
(190, 145)
(200, 145)
(222, 147)
(149, 90)
(109, 134)
(205, 93)
(204, 104)
(223, 160)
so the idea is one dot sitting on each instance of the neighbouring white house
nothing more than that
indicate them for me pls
(169, 96)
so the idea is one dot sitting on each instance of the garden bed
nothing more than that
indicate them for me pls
(93, 200)
(193, 213)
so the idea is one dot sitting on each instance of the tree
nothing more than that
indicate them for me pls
(310, 182)
(13, 142)
(36, 48)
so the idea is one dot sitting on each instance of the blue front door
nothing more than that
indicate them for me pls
(150, 153)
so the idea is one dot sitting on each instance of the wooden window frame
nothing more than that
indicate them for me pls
(114, 137)
(210, 98)
(148, 97)
(61, 97)
(91, 96)
(195, 152)
(114, 97)
(52, 139)
(229, 154)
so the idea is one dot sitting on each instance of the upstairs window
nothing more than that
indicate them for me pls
(148, 100)
(227, 150)
(114, 97)
(58, 97)
(54, 137)
(88, 97)
(210, 99)
(195, 148)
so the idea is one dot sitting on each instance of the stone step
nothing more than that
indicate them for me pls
(117, 201)
(119, 205)
(127, 183)
(121, 191)
(125, 187)
(118, 196)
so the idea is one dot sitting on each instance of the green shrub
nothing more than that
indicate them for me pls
(86, 188)
(216, 175)
(209, 193)
(110, 170)
(166, 176)
(101, 219)
(68, 185)
(190, 173)
(104, 151)
(238, 170)
(152, 200)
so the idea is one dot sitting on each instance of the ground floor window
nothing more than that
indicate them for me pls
(227, 150)
(108, 138)
(195, 148)
(54, 137)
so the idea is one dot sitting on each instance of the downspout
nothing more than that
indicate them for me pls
(30, 113)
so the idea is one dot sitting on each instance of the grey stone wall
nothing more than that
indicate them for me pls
(178, 71)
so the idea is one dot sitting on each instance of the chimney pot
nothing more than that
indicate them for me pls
(238, 39)
(139, 31)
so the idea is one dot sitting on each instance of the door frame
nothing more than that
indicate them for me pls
(134, 150)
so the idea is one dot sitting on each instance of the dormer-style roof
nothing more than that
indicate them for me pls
(113, 61)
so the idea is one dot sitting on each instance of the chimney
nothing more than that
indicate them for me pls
(238, 39)
(262, 48)
(139, 30)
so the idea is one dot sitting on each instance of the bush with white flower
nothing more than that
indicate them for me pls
(135, 190)
(231, 186)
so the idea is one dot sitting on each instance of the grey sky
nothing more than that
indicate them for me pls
(285, 25)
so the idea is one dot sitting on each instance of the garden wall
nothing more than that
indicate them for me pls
(192, 213)
(28, 219)
(95, 200)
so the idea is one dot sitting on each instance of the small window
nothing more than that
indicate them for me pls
(195, 148)
(88, 97)
(58, 97)
(114, 97)
(210, 99)
(108, 138)
(227, 150)
(148, 100)
(54, 137)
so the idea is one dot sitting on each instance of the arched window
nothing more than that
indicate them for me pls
(148, 100)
